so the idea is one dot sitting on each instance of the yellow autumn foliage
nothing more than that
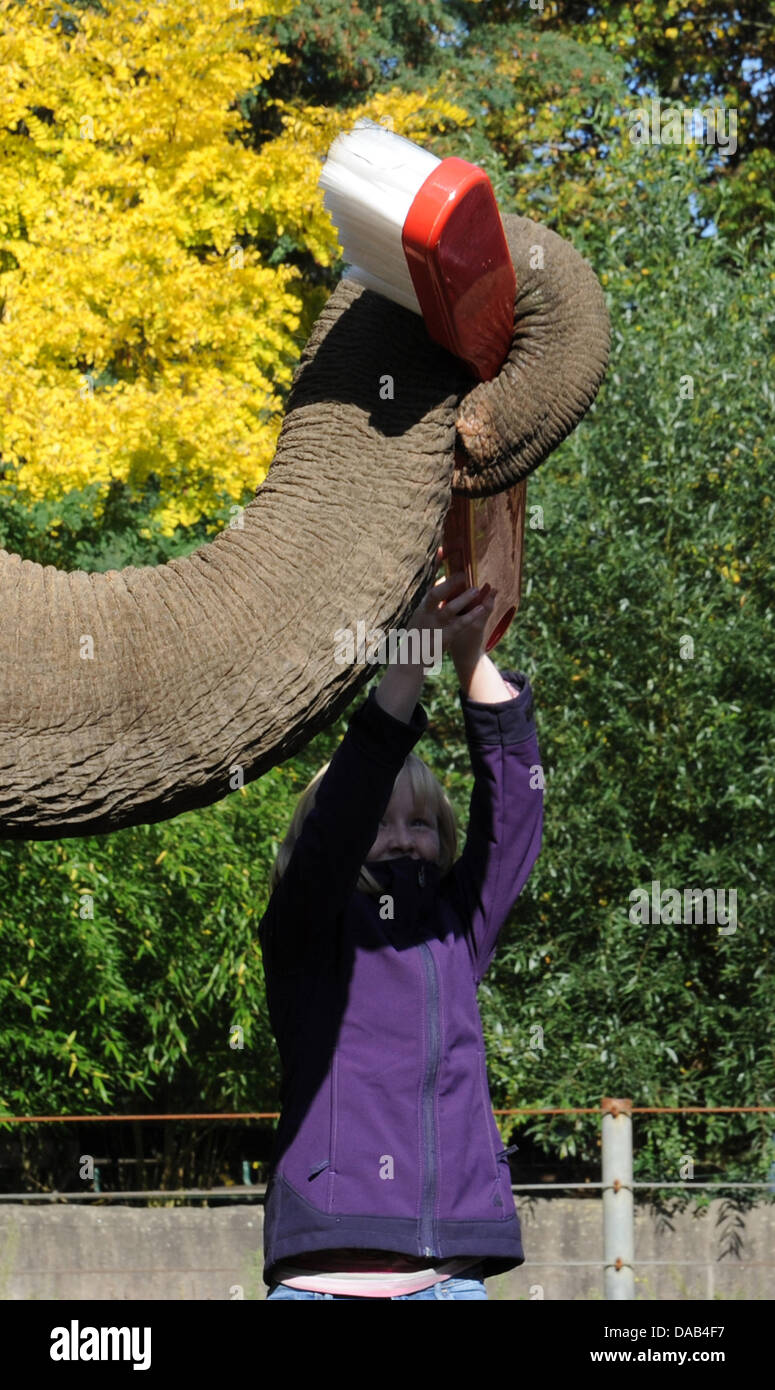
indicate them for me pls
(141, 329)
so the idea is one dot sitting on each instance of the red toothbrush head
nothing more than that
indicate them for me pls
(460, 265)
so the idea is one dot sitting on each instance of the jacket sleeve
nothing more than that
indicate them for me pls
(505, 815)
(337, 833)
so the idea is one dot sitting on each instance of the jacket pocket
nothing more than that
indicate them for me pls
(501, 1163)
(504, 1153)
(318, 1169)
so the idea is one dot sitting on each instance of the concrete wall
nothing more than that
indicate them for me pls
(85, 1251)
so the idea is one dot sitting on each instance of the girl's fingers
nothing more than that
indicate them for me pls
(461, 600)
(444, 584)
(448, 610)
(478, 608)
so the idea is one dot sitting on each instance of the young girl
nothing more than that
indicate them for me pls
(390, 1179)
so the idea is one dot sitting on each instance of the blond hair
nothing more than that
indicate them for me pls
(430, 799)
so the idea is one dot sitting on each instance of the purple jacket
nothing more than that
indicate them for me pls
(386, 1138)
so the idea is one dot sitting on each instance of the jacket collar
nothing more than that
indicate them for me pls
(406, 872)
(413, 883)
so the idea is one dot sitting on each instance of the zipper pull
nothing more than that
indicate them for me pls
(421, 875)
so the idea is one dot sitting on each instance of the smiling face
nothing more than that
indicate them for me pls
(403, 830)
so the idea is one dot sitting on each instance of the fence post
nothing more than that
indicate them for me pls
(618, 1214)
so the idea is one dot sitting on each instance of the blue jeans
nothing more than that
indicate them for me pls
(469, 1285)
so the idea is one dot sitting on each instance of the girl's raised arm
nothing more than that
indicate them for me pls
(505, 819)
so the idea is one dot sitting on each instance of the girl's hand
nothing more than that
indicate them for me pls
(458, 612)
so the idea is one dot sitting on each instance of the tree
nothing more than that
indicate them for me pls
(689, 55)
(150, 318)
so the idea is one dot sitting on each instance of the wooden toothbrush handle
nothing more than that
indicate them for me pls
(484, 537)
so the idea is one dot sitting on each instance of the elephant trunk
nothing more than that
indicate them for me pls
(129, 697)
(558, 357)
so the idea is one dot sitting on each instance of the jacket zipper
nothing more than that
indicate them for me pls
(427, 1240)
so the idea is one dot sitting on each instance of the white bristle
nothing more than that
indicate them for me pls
(371, 177)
